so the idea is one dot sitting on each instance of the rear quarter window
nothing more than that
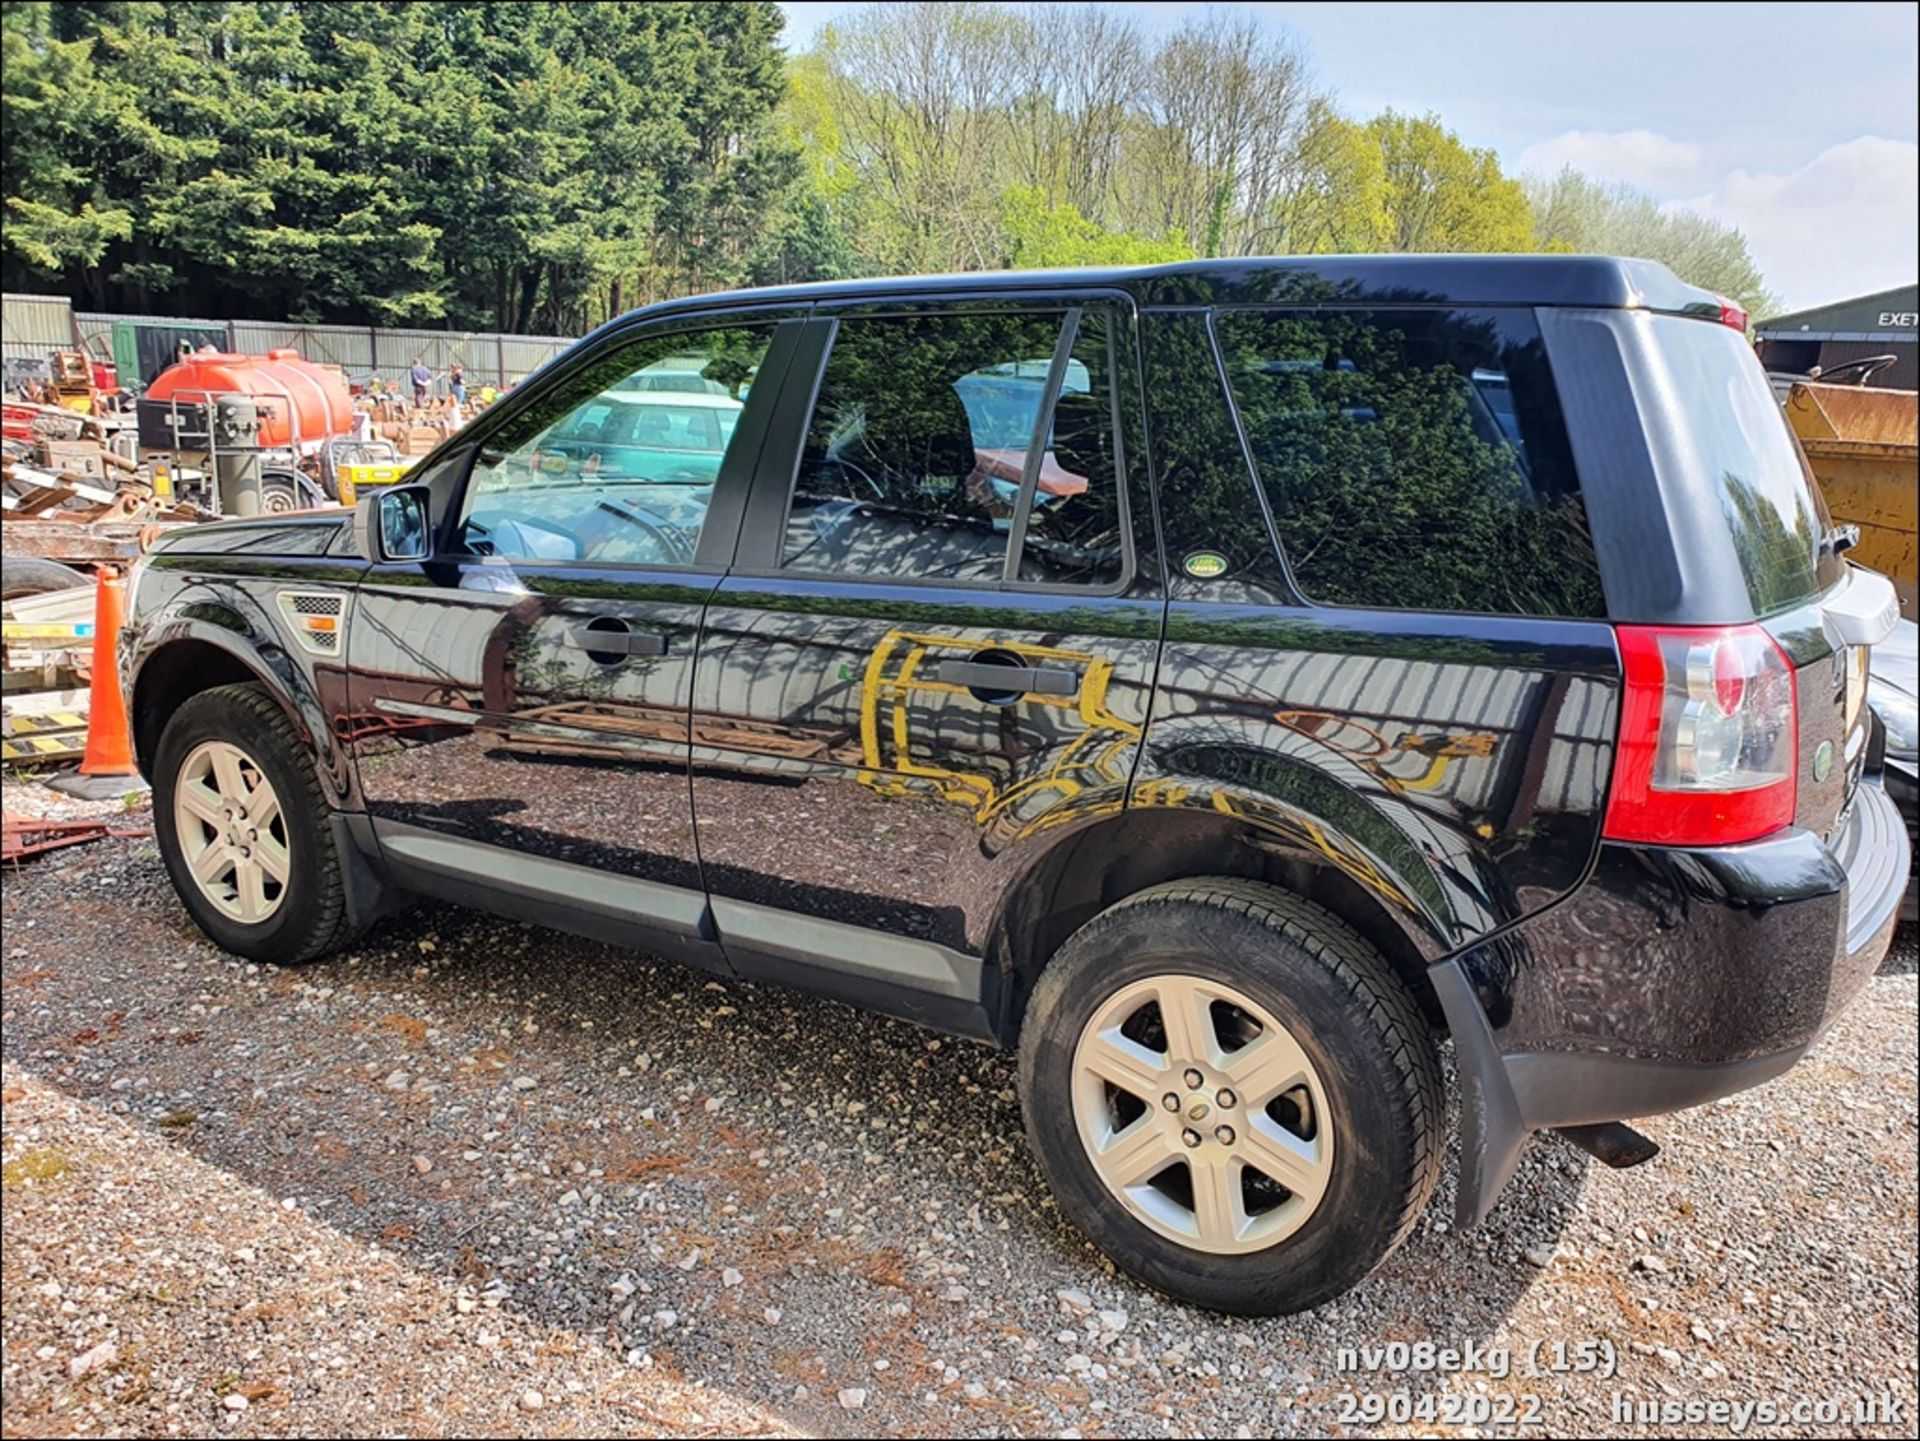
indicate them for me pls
(1734, 438)
(1415, 460)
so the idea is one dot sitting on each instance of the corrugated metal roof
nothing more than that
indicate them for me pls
(1890, 313)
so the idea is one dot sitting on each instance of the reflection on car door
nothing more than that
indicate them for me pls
(519, 703)
(887, 710)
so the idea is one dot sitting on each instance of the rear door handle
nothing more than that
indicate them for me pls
(621, 641)
(1009, 679)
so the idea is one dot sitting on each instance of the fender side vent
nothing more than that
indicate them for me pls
(317, 618)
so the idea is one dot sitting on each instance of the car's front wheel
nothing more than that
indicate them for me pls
(1232, 1095)
(242, 825)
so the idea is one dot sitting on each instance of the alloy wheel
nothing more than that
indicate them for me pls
(1202, 1114)
(232, 835)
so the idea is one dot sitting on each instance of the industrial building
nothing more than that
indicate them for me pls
(1883, 323)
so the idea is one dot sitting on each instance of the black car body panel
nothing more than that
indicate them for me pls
(814, 777)
(493, 710)
(854, 759)
(1453, 766)
(1670, 979)
(209, 612)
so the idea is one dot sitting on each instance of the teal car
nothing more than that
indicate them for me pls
(662, 436)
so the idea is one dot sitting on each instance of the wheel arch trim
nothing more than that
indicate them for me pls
(177, 636)
(1090, 867)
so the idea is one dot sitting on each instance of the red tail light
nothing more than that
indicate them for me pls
(1709, 736)
(1731, 314)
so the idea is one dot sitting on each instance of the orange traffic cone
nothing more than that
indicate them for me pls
(109, 738)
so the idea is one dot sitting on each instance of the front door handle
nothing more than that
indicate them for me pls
(1008, 679)
(610, 636)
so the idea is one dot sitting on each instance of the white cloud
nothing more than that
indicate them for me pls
(1641, 158)
(1845, 223)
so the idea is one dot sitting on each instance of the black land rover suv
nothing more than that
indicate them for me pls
(1219, 681)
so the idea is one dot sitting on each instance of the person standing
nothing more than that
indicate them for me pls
(457, 383)
(422, 377)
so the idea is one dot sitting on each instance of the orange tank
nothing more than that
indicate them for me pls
(301, 403)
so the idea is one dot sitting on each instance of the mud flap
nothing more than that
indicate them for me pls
(1492, 1132)
(369, 895)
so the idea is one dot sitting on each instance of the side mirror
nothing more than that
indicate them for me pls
(391, 524)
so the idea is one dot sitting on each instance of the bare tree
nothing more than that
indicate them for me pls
(1086, 65)
(945, 106)
(1227, 106)
(926, 102)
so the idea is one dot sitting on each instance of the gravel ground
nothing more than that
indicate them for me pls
(396, 1192)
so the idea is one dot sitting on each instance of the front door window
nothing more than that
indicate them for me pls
(618, 466)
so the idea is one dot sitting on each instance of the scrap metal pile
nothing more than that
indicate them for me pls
(24, 836)
(90, 476)
(69, 493)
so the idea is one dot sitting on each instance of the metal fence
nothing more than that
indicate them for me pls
(33, 325)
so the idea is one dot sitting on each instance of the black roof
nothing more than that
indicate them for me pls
(1594, 281)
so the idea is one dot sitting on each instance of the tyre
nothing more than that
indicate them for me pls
(30, 575)
(243, 828)
(1232, 1095)
(279, 493)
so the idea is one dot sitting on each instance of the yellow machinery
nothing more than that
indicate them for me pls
(73, 381)
(1861, 444)
(354, 476)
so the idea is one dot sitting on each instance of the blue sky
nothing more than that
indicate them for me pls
(1796, 122)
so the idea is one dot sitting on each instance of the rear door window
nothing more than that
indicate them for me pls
(921, 441)
(1415, 460)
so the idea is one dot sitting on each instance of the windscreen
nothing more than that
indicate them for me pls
(1739, 441)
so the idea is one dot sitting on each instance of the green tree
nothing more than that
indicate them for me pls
(1335, 201)
(59, 219)
(520, 165)
(804, 239)
(542, 167)
(1443, 195)
(811, 233)
(1035, 236)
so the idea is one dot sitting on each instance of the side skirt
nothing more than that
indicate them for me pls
(916, 981)
(620, 910)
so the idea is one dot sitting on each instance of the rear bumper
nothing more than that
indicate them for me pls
(1670, 979)
(1702, 957)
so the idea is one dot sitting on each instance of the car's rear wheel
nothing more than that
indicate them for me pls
(243, 828)
(1232, 1095)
